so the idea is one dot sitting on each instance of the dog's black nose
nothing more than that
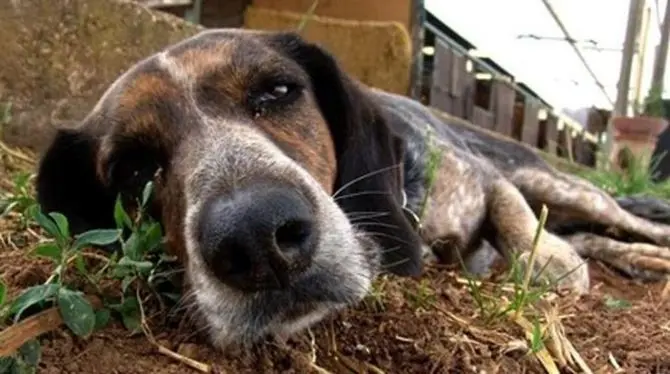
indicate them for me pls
(258, 239)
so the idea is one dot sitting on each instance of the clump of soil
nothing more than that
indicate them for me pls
(427, 325)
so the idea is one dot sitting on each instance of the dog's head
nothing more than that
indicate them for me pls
(277, 181)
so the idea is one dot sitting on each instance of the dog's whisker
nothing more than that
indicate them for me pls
(362, 216)
(376, 224)
(394, 264)
(375, 233)
(390, 250)
(362, 193)
(363, 177)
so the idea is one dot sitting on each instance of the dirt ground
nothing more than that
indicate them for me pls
(430, 325)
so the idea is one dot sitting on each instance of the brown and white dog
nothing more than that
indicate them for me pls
(286, 187)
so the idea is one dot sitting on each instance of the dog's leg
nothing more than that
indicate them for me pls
(579, 199)
(638, 260)
(515, 226)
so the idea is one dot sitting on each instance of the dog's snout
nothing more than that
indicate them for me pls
(258, 239)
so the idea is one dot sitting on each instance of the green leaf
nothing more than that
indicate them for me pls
(80, 265)
(153, 237)
(120, 216)
(141, 266)
(31, 352)
(46, 222)
(77, 312)
(21, 367)
(130, 314)
(132, 248)
(61, 223)
(6, 363)
(126, 282)
(146, 194)
(121, 271)
(49, 250)
(536, 343)
(132, 321)
(98, 237)
(32, 296)
(8, 207)
(3, 292)
(613, 303)
(102, 318)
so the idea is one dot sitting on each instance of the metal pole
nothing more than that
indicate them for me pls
(642, 54)
(661, 59)
(623, 88)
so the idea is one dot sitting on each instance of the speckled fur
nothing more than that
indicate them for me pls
(488, 191)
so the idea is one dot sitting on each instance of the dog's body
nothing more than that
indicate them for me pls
(284, 186)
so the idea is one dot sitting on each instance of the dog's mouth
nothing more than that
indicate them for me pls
(321, 284)
(326, 286)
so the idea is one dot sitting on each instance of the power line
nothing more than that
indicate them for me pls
(572, 43)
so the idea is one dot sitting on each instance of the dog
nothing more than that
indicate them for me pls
(285, 186)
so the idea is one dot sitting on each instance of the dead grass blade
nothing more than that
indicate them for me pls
(15, 336)
(542, 354)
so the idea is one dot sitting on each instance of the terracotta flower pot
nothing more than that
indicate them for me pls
(638, 127)
(639, 134)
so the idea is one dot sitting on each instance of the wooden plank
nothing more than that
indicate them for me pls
(452, 87)
(502, 99)
(560, 163)
(585, 151)
(462, 88)
(456, 84)
(530, 128)
(550, 133)
(439, 92)
(517, 120)
(483, 118)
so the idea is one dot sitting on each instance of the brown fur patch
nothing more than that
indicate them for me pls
(305, 138)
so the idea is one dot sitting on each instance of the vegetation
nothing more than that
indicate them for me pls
(653, 104)
(635, 180)
(141, 268)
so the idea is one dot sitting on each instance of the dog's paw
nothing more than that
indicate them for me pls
(557, 263)
(640, 260)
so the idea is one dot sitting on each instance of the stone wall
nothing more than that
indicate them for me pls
(58, 57)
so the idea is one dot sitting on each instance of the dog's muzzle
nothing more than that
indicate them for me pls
(258, 238)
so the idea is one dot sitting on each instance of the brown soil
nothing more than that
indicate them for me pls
(430, 325)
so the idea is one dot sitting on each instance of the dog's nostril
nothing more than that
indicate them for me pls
(239, 261)
(292, 235)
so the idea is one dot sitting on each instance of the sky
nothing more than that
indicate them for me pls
(549, 67)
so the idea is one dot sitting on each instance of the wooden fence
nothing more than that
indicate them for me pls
(467, 87)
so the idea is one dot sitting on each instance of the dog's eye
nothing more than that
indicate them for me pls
(273, 96)
(276, 92)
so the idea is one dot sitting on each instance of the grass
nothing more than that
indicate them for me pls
(636, 180)
(435, 155)
(522, 301)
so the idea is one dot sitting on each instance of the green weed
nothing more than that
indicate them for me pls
(140, 264)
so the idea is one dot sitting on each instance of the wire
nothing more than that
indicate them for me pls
(572, 43)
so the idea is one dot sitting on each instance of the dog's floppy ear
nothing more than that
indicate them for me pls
(369, 156)
(67, 182)
(84, 170)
